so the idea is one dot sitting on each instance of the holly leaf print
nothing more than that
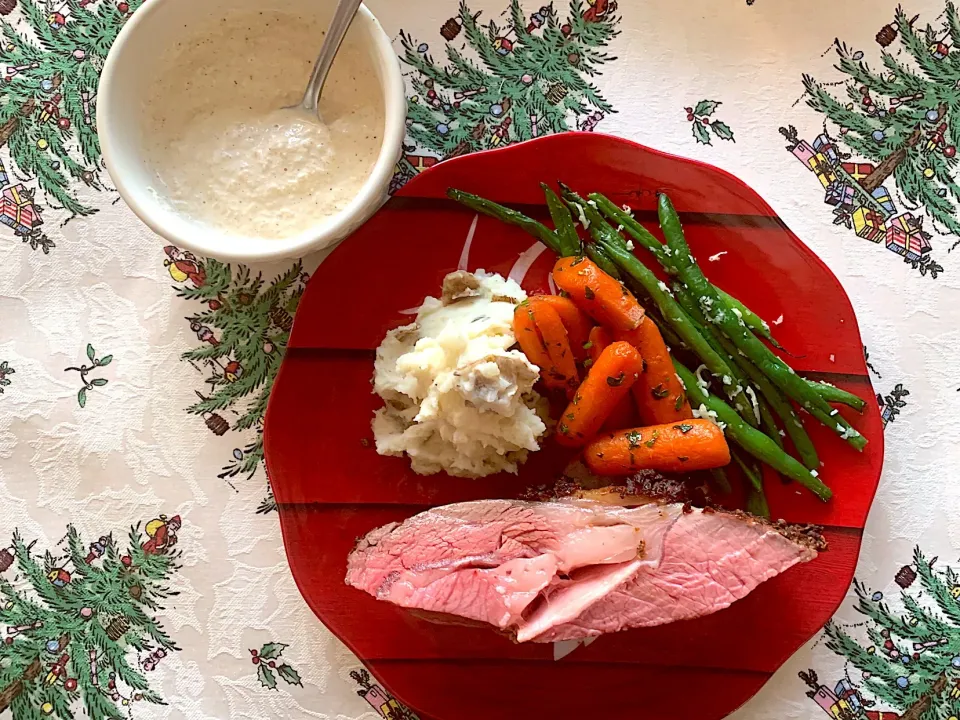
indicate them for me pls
(82, 397)
(701, 134)
(266, 677)
(289, 675)
(706, 107)
(91, 353)
(722, 130)
(271, 651)
(105, 360)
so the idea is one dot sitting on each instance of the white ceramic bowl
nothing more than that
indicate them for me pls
(124, 83)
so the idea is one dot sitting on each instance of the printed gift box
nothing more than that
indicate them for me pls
(868, 224)
(18, 210)
(905, 237)
(840, 194)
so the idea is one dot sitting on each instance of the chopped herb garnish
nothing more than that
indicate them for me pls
(588, 362)
(683, 427)
(633, 439)
(679, 403)
(578, 260)
(563, 428)
(563, 293)
(653, 439)
(659, 392)
(588, 293)
(643, 365)
(576, 399)
(616, 381)
(587, 345)
(571, 416)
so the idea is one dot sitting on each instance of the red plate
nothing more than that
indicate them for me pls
(332, 487)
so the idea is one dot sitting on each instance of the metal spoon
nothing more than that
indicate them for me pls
(346, 10)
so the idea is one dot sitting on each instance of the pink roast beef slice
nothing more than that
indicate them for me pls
(490, 560)
(574, 568)
(710, 560)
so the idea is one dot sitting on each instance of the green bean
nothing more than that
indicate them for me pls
(768, 422)
(753, 321)
(721, 481)
(602, 260)
(647, 240)
(724, 316)
(638, 232)
(736, 392)
(768, 391)
(756, 498)
(566, 229)
(672, 339)
(478, 204)
(791, 421)
(833, 394)
(753, 441)
(613, 245)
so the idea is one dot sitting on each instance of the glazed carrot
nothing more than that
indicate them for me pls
(597, 341)
(600, 296)
(608, 381)
(623, 414)
(556, 342)
(575, 320)
(674, 447)
(658, 393)
(525, 330)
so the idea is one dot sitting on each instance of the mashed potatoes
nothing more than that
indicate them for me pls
(457, 399)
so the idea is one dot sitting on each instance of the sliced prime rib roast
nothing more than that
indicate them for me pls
(574, 568)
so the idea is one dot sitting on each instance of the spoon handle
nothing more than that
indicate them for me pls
(346, 10)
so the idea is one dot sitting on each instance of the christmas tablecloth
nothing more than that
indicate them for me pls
(142, 572)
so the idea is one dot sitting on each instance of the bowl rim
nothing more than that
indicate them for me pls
(209, 241)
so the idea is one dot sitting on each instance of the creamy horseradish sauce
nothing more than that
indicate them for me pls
(227, 154)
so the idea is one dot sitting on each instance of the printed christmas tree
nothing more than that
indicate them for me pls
(527, 78)
(904, 117)
(910, 660)
(244, 331)
(74, 625)
(47, 115)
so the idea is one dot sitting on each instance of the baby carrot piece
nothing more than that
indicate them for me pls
(608, 381)
(659, 396)
(597, 341)
(674, 447)
(575, 320)
(556, 342)
(623, 414)
(600, 296)
(525, 330)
